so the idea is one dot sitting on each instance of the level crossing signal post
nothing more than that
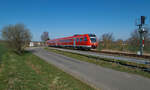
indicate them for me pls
(141, 30)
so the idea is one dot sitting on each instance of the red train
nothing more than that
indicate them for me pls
(84, 41)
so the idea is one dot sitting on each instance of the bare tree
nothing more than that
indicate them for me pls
(134, 40)
(45, 36)
(119, 44)
(107, 40)
(17, 36)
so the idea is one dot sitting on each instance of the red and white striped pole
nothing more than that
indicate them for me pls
(143, 42)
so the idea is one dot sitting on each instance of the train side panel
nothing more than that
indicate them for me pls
(79, 41)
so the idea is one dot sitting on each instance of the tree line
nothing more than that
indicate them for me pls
(108, 42)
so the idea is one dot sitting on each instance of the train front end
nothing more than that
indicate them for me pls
(93, 41)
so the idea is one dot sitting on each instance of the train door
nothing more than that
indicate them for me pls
(74, 42)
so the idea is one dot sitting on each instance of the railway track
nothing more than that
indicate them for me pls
(123, 54)
(117, 53)
(109, 55)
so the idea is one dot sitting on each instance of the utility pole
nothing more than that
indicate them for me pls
(141, 32)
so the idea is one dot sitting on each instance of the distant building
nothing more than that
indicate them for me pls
(31, 44)
(36, 44)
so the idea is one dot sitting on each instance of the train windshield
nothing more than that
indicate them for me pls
(92, 38)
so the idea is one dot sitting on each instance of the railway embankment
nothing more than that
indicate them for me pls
(121, 53)
(121, 65)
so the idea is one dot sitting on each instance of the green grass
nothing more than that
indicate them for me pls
(3, 50)
(105, 62)
(29, 72)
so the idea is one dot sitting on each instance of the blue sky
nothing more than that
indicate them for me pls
(67, 17)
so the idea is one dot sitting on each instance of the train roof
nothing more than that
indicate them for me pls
(73, 36)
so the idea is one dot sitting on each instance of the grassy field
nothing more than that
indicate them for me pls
(29, 72)
(104, 62)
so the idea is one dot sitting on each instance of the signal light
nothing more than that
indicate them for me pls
(142, 19)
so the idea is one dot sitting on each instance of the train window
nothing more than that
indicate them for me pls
(85, 38)
(93, 40)
(66, 40)
(81, 39)
(77, 39)
(69, 40)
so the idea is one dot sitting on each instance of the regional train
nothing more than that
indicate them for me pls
(78, 41)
